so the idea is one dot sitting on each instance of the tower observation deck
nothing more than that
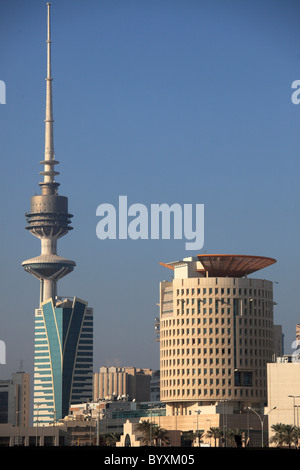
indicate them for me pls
(49, 218)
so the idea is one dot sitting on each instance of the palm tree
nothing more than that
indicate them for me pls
(160, 436)
(278, 437)
(187, 438)
(289, 434)
(285, 434)
(234, 437)
(111, 438)
(152, 433)
(197, 436)
(145, 428)
(215, 433)
(297, 435)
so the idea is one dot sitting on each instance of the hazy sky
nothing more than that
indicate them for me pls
(168, 101)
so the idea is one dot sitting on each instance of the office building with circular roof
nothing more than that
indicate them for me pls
(216, 332)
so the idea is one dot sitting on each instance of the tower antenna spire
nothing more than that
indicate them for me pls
(49, 186)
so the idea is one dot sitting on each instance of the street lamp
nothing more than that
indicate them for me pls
(261, 422)
(297, 406)
(209, 428)
(18, 424)
(54, 421)
(198, 412)
(37, 422)
(224, 424)
(294, 397)
(98, 423)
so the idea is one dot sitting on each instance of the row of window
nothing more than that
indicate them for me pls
(196, 331)
(167, 365)
(255, 337)
(222, 291)
(193, 352)
(195, 382)
(266, 312)
(211, 393)
(263, 325)
(258, 345)
(265, 353)
(194, 321)
(196, 372)
(217, 302)
(168, 343)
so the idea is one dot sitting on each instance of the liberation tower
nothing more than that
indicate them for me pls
(63, 340)
(49, 218)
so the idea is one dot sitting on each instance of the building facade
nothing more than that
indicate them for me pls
(29, 436)
(14, 399)
(284, 392)
(128, 382)
(63, 361)
(216, 332)
(155, 387)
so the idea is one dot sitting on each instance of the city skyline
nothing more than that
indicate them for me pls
(176, 104)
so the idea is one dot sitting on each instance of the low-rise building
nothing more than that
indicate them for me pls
(130, 382)
(28, 436)
(110, 416)
(14, 399)
(283, 392)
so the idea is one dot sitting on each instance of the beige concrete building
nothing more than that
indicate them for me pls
(220, 415)
(284, 392)
(216, 333)
(122, 382)
(14, 399)
(11, 436)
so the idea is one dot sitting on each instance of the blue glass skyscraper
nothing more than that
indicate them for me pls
(63, 358)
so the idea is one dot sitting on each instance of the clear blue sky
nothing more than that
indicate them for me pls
(163, 101)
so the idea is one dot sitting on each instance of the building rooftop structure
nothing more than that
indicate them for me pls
(214, 265)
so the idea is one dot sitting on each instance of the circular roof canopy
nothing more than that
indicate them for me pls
(233, 265)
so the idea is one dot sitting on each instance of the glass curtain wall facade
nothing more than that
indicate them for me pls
(63, 361)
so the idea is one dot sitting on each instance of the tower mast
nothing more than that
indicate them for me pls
(48, 218)
(49, 161)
